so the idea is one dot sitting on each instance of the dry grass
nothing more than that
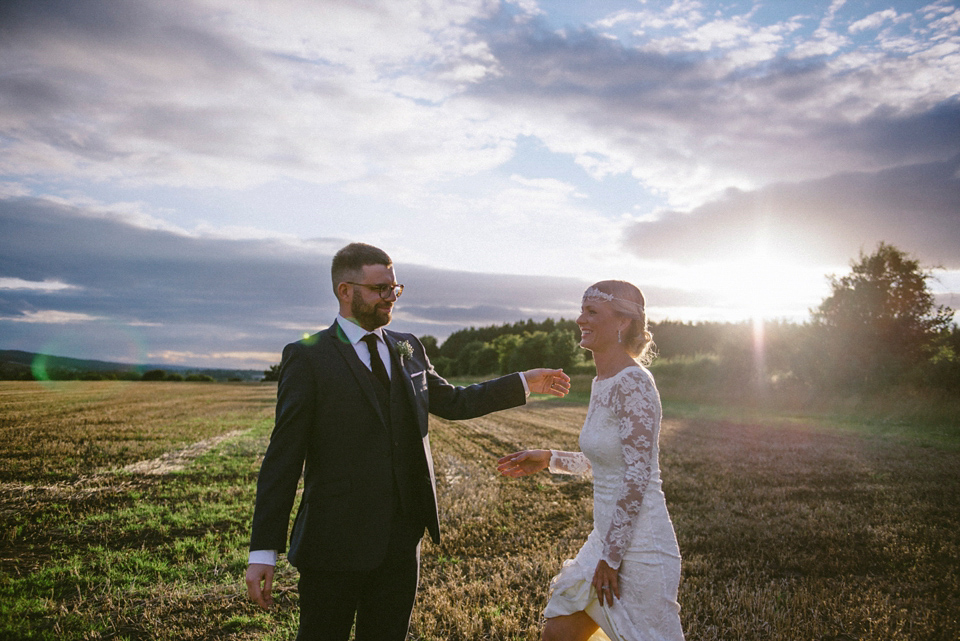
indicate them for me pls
(789, 530)
(60, 431)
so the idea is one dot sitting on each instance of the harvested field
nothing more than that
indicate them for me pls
(788, 530)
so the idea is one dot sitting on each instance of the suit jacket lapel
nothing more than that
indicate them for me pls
(357, 368)
(408, 384)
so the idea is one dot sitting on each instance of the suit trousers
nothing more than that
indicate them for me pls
(380, 599)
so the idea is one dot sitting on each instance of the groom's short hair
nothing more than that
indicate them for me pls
(348, 263)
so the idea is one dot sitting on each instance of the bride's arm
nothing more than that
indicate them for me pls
(569, 463)
(532, 461)
(635, 403)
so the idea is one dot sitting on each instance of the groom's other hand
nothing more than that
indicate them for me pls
(257, 574)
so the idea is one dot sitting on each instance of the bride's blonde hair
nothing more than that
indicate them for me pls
(627, 300)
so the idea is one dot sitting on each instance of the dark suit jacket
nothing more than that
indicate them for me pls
(331, 426)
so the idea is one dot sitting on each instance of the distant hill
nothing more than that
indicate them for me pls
(17, 364)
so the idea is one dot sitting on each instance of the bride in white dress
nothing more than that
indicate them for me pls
(623, 582)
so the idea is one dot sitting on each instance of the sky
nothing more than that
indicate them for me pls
(175, 176)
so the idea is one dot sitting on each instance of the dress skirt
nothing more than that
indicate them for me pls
(647, 609)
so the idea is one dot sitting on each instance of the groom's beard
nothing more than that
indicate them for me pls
(373, 316)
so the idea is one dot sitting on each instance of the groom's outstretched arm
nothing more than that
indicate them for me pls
(457, 403)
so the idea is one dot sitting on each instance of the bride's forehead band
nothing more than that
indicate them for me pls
(593, 293)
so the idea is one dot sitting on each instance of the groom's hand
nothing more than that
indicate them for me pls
(257, 574)
(547, 381)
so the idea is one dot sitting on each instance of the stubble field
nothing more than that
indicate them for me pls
(125, 511)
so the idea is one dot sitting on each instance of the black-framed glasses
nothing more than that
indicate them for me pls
(383, 291)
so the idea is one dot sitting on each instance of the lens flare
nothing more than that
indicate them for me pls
(106, 342)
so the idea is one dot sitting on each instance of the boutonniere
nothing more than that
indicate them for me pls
(404, 350)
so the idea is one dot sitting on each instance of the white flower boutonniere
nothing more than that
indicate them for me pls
(404, 350)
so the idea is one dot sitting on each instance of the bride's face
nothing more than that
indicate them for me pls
(598, 325)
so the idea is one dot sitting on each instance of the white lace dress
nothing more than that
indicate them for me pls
(631, 526)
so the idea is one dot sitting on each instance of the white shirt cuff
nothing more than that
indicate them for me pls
(526, 388)
(266, 557)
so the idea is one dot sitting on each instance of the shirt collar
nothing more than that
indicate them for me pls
(354, 332)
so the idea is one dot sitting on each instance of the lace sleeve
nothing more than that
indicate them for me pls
(636, 403)
(569, 463)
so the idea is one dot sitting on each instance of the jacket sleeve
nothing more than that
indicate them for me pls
(454, 402)
(282, 464)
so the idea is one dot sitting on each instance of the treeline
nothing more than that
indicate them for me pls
(879, 328)
(507, 348)
(17, 365)
(18, 371)
(555, 343)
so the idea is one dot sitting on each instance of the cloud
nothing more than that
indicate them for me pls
(128, 291)
(45, 286)
(873, 21)
(728, 102)
(208, 93)
(826, 221)
(392, 98)
(51, 317)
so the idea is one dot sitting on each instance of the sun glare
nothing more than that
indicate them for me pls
(760, 286)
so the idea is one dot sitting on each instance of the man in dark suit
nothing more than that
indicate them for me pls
(352, 406)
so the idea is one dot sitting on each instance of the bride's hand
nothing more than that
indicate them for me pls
(523, 463)
(606, 582)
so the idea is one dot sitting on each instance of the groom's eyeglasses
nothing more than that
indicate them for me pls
(383, 290)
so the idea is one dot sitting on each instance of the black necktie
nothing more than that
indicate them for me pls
(376, 363)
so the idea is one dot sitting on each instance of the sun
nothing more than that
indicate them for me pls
(764, 285)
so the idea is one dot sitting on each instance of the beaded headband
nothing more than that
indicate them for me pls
(593, 293)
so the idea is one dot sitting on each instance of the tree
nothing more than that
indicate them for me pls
(272, 374)
(557, 349)
(881, 321)
(477, 358)
(430, 346)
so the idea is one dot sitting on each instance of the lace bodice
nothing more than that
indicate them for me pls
(619, 445)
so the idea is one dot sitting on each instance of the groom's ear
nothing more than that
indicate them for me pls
(343, 291)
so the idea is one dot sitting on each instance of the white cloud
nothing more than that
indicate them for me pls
(216, 359)
(52, 317)
(41, 286)
(873, 21)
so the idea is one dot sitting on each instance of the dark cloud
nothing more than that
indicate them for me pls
(99, 80)
(201, 295)
(772, 120)
(146, 31)
(179, 293)
(893, 137)
(589, 75)
(916, 208)
(472, 315)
